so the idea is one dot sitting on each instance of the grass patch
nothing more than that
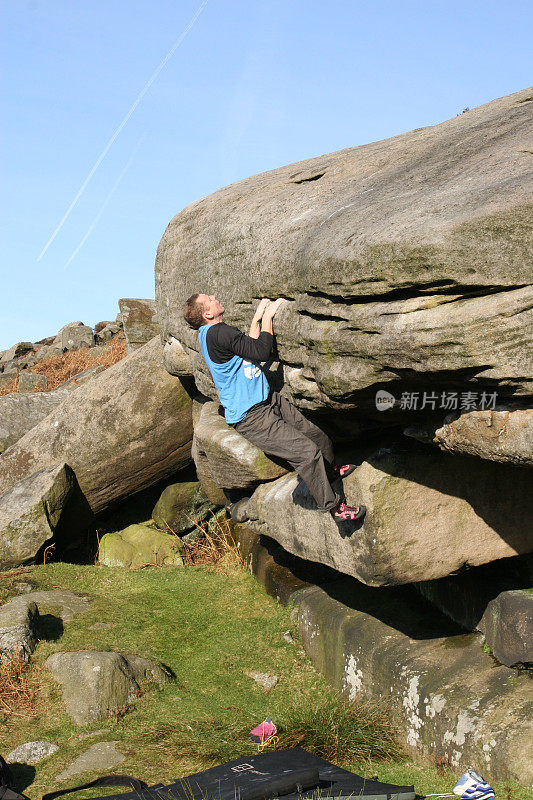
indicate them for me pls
(210, 625)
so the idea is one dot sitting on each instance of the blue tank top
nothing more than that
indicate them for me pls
(240, 384)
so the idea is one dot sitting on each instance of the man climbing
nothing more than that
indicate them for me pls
(264, 417)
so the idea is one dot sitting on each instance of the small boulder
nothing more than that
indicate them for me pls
(508, 627)
(138, 318)
(34, 508)
(106, 332)
(31, 752)
(47, 351)
(32, 382)
(96, 684)
(18, 629)
(19, 349)
(75, 335)
(180, 505)
(137, 546)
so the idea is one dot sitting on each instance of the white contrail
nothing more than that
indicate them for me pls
(122, 124)
(104, 204)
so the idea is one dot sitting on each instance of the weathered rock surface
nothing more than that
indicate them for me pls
(508, 627)
(32, 381)
(19, 349)
(499, 434)
(176, 359)
(428, 515)
(230, 459)
(180, 505)
(95, 684)
(100, 757)
(83, 376)
(121, 432)
(31, 752)
(73, 336)
(48, 350)
(138, 545)
(452, 701)
(67, 604)
(33, 509)
(408, 261)
(19, 413)
(18, 629)
(139, 322)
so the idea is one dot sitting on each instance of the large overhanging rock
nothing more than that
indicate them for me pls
(408, 261)
(500, 434)
(121, 432)
(428, 515)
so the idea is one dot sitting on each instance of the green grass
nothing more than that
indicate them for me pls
(210, 626)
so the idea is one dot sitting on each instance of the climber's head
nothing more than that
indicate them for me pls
(203, 309)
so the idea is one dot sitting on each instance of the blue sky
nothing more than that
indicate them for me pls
(254, 85)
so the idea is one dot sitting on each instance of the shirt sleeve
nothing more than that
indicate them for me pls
(225, 341)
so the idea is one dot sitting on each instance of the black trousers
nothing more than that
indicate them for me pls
(279, 429)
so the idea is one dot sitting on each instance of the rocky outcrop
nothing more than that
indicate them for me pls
(95, 684)
(36, 510)
(139, 321)
(428, 515)
(408, 262)
(500, 434)
(19, 413)
(122, 431)
(138, 546)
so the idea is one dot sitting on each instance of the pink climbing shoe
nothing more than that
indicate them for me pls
(346, 512)
(345, 470)
(263, 732)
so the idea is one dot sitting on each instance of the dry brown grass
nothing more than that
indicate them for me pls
(59, 369)
(215, 544)
(18, 691)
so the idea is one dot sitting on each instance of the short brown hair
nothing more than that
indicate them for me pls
(193, 311)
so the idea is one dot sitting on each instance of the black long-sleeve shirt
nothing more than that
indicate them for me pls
(224, 341)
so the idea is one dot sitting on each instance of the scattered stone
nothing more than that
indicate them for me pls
(18, 628)
(100, 626)
(66, 603)
(180, 505)
(24, 586)
(31, 752)
(32, 511)
(138, 318)
(96, 684)
(19, 413)
(19, 349)
(288, 638)
(266, 682)
(122, 431)
(138, 546)
(75, 335)
(47, 351)
(100, 757)
(32, 381)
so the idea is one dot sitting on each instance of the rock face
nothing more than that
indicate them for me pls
(427, 515)
(121, 432)
(138, 318)
(19, 413)
(95, 684)
(230, 460)
(180, 505)
(32, 510)
(139, 545)
(408, 261)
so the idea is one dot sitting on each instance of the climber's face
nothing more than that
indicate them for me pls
(213, 308)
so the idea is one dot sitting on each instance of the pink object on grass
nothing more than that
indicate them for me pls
(263, 732)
